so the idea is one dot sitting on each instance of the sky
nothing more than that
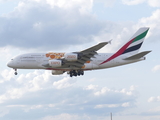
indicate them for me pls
(130, 92)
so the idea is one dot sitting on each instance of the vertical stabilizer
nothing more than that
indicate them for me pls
(132, 46)
(136, 41)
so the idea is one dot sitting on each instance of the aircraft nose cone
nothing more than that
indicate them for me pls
(9, 64)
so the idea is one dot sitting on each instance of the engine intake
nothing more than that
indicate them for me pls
(71, 56)
(55, 63)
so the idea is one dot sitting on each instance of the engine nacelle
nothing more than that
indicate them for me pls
(71, 56)
(55, 63)
(57, 72)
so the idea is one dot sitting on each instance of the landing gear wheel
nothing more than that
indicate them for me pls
(15, 72)
(71, 73)
(76, 73)
(79, 73)
(82, 72)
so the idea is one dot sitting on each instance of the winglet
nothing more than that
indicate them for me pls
(110, 41)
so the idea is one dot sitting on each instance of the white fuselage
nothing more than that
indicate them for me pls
(37, 60)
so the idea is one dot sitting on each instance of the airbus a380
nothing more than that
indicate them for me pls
(75, 63)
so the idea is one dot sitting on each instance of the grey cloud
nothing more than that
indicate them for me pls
(40, 26)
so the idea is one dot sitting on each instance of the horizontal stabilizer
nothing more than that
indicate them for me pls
(137, 56)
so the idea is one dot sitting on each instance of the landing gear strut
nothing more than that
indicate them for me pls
(76, 72)
(15, 71)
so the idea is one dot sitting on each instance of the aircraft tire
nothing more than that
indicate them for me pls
(70, 75)
(82, 72)
(75, 74)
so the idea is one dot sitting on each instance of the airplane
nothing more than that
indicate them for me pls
(75, 63)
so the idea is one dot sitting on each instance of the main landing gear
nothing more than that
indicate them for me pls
(15, 71)
(76, 73)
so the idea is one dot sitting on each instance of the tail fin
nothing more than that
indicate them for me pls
(133, 46)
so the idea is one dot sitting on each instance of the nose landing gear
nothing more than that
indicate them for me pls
(15, 71)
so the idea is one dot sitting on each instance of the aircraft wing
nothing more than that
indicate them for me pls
(84, 56)
(95, 48)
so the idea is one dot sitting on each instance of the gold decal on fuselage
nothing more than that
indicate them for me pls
(88, 61)
(83, 66)
(53, 55)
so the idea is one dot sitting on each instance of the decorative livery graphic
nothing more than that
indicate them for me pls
(53, 55)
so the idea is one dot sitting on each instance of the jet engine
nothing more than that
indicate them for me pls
(55, 63)
(71, 56)
(57, 72)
